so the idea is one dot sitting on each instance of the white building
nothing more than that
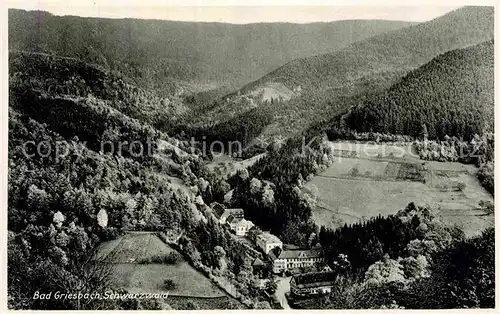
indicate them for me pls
(266, 242)
(240, 226)
(296, 259)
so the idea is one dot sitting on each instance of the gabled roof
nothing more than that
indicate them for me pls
(326, 268)
(315, 278)
(232, 220)
(236, 211)
(258, 262)
(268, 237)
(272, 256)
(288, 254)
(218, 209)
(232, 211)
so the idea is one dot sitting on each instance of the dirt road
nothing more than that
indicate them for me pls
(283, 287)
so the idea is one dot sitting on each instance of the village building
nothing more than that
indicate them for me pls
(217, 209)
(258, 267)
(289, 260)
(326, 268)
(240, 226)
(267, 241)
(310, 284)
(237, 213)
(222, 213)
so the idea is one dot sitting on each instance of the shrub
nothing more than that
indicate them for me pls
(169, 284)
(169, 258)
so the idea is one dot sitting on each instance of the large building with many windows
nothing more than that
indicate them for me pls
(308, 284)
(289, 260)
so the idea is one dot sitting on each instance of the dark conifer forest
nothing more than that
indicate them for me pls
(451, 95)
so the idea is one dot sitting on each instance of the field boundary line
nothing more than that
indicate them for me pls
(361, 178)
(337, 212)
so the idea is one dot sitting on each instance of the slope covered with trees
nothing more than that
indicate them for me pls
(408, 260)
(67, 194)
(172, 55)
(404, 48)
(62, 206)
(56, 76)
(327, 81)
(451, 95)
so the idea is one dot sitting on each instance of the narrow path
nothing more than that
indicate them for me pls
(283, 287)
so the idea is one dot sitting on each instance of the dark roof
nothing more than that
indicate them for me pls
(290, 247)
(231, 219)
(316, 277)
(218, 209)
(288, 254)
(236, 211)
(272, 255)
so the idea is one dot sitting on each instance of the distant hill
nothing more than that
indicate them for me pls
(327, 81)
(451, 95)
(187, 55)
(404, 48)
(62, 76)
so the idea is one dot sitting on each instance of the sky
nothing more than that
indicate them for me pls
(181, 11)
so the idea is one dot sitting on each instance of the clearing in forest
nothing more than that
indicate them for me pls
(383, 179)
(126, 252)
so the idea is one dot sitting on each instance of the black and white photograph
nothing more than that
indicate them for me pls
(211, 157)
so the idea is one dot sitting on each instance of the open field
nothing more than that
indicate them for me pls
(132, 247)
(354, 189)
(274, 90)
(355, 168)
(381, 151)
(215, 303)
(125, 252)
(229, 165)
(150, 278)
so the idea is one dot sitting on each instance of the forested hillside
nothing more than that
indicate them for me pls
(56, 75)
(172, 55)
(327, 81)
(408, 260)
(100, 130)
(451, 95)
(68, 192)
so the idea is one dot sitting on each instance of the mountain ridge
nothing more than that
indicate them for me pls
(459, 15)
(157, 52)
(430, 96)
(327, 81)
